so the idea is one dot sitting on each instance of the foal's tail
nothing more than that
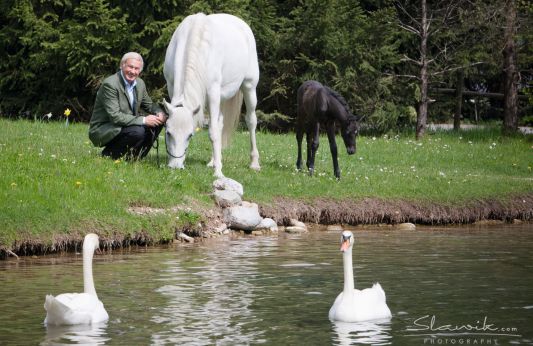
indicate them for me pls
(231, 109)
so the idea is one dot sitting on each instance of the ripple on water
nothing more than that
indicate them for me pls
(278, 291)
(297, 265)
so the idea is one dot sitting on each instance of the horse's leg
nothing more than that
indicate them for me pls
(216, 121)
(299, 138)
(330, 127)
(312, 146)
(250, 100)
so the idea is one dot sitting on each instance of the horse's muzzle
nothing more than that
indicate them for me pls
(175, 164)
(350, 151)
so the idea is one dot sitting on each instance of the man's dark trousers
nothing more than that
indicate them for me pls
(133, 142)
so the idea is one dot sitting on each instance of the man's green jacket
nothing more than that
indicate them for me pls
(112, 109)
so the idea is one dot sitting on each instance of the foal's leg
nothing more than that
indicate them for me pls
(333, 148)
(312, 146)
(216, 121)
(299, 138)
(250, 100)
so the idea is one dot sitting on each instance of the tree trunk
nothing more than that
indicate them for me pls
(422, 113)
(510, 92)
(458, 100)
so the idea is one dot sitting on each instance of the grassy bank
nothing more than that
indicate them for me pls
(53, 182)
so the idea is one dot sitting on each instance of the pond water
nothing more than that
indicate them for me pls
(443, 286)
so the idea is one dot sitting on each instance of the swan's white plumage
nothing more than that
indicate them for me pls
(78, 308)
(353, 305)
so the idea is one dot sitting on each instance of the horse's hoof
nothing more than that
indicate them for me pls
(256, 168)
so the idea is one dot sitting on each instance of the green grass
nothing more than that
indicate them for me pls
(54, 182)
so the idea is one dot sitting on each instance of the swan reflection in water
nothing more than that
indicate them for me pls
(366, 333)
(81, 334)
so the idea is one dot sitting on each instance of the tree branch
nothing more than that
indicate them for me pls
(402, 8)
(406, 58)
(455, 68)
(410, 76)
(409, 28)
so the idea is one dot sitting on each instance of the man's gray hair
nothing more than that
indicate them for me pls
(131, 55)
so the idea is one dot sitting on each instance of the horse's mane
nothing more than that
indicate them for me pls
(341, 100)
(194, 87)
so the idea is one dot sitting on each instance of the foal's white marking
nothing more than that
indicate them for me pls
(210, 59)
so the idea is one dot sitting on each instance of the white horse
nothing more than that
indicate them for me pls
(210, 59)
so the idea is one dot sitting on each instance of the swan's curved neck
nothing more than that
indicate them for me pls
(348, 270)
(88, 282)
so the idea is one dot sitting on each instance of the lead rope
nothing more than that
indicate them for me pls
(156, 146)
(157, 152)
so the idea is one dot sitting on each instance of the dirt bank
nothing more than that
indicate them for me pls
(378, 211)
(367, 211)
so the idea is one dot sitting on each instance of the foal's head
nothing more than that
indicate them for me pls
(349, 130)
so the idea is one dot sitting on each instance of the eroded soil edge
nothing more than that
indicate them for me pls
(366, 211)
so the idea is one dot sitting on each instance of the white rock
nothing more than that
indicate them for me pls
(185, 237)
(226, 198)
(220, 229)
(406, 226)
(267, 223)
(295, 229)
(296, 223)
(228, 184)
(245, 216)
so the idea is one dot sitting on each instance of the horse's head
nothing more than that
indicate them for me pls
(180, 129)
(349, 131)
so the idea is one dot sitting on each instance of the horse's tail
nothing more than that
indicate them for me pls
(231, 109)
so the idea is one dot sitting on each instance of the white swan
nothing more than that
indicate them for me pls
(78, 308)
(353, 305)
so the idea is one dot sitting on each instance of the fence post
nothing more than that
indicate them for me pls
(458, 100)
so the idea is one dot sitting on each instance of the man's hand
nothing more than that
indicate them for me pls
(152, 120)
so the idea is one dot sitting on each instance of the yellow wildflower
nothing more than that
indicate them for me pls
(67, 112)
(78, 183)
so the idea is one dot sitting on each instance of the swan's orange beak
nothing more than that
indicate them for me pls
(345, 244)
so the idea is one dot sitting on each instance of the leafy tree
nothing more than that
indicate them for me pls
(438, 37)
(91, 44)
(54, 53)
(29, 38)
(59, 52)
(340, 44)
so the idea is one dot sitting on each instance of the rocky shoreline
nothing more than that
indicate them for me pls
(288, 212)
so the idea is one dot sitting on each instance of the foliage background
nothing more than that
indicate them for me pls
(54, 53)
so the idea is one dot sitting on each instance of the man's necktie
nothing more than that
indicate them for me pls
(134, 101)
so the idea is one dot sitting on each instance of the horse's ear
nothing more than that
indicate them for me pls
(179, 103)
(196, 110)
(167, 106)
